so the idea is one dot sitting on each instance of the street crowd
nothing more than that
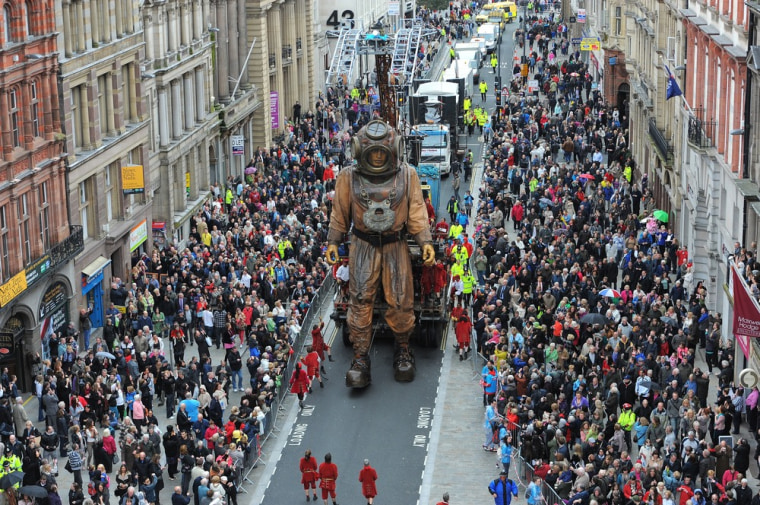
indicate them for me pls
(585, 309)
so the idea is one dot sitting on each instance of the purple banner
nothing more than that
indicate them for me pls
(274, 109)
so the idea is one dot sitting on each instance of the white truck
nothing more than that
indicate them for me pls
(435, 149)
(490, 33)
(460, 69)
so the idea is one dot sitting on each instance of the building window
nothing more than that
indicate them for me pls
(29, 20)
(113, 197)
(8, 23)
(35, 110)
(618, 20)
(15, 126)
(105, 104)
(86, 211)
(5, 257)
(22, 214)
(128, 88)
(44, 213)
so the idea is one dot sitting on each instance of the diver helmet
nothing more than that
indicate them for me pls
(375, 148)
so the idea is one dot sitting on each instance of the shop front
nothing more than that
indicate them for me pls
(93, 291)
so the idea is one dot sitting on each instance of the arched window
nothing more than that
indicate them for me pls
(7, 23)
(29, 19)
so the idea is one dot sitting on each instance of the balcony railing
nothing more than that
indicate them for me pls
(298, 44)
(701, 131)
(666, 150)
(272, 60)
(287, 52)
(69, 247)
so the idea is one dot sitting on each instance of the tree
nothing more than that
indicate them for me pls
(434, 5)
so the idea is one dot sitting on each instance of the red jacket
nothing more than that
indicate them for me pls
(368, 476)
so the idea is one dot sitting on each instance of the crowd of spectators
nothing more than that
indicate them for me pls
(587, 312)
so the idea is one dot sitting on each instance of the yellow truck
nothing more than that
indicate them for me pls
(509, 9)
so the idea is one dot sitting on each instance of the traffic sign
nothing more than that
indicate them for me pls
(576, 40)
(504, 90)
(581, 15)
(571, 19)
(533, 86)
(590, 44)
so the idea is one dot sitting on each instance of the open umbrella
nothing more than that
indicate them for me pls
(11, 479)
(594, 318)
(546, 201)
(661, 216)
(669, 320)
(35, 491)
(610, 293)
(574, 74)
(103, 354)
(587, 177)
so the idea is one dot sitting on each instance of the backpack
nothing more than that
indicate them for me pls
(91, 489)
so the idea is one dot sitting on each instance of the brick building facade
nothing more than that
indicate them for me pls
(36, 241)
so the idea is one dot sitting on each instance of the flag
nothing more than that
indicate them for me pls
(746, 312)
(672, 89)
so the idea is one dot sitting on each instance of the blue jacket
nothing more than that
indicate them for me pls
(503, 489)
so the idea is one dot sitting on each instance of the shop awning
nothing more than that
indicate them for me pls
(96, 266)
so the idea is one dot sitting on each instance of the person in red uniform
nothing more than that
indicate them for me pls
(318, 343)
(445, 500)
(308, 467)
(368, 476)
(430, 211)
(463, 332)
(311, 360)
(441, 277)
(442, 229)
(299, 383)
(426, 282)
(328, 474)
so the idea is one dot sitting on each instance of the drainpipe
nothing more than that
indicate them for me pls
(748, 130)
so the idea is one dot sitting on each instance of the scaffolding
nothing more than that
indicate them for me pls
(345, 56)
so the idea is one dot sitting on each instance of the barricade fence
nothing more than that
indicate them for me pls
(318, 306)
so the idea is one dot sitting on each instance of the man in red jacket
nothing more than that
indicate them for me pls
(328, 474)
(368, 476)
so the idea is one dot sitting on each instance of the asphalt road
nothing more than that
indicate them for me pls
(387, 423)
(505, 55)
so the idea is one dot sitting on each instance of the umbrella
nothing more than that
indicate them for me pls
(669, 320)
(250, 170)
(103, 354)
(546, 201)
(661, 216)
(35, 491)
(574, 74)
(610, 293)
(587, 176)
(560, 231)
(11, 479)
(594, 318)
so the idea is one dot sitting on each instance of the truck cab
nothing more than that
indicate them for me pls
(435, 149)
(488, 33)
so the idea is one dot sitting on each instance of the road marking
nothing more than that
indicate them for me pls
(28, 399)
(332, 337)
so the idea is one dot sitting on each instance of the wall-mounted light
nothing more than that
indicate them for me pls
(34, 56)
(147, 75)
(740, 131)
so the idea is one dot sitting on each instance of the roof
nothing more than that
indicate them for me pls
(438, 89)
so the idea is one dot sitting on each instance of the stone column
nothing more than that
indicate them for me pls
(94, 21)
(79, 20)
(258, 74)
(150, 22)
(189, 103)
(176, 109)
(289, 10)
(310, 53)
(275, 40)
(235, 42)
(201, 95)
(120, 16)
(67, 24)
(243, 48)
(197, 19)
(223, 50)
(163, 116)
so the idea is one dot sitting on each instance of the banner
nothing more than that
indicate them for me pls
(132, 179)
(274, 109)
(746, 313)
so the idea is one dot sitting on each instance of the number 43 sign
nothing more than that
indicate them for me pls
(346, 19)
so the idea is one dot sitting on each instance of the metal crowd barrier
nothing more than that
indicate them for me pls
(316, 310)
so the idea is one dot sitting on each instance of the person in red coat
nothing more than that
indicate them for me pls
(308, 467)
(328, 474)
(368, 476)
(463, 332)
(299, 383)
(318, 343)
(311, 360)
(441, 277)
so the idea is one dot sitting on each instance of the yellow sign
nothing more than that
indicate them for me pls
(12, 288)
(590, 44)
(132, 179)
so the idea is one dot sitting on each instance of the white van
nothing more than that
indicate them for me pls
(488, 33)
